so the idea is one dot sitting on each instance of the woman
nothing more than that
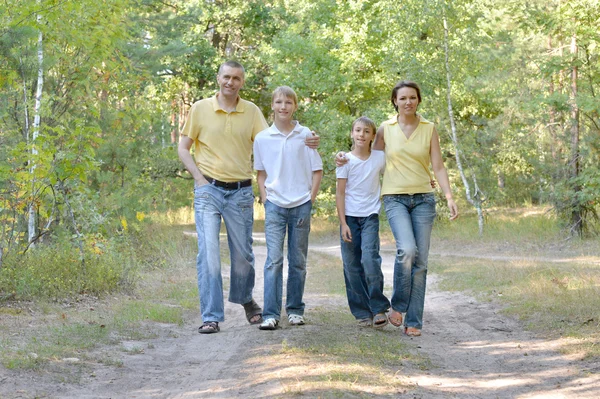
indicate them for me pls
(411, 144)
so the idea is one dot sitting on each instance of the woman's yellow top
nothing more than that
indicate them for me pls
(407, 160)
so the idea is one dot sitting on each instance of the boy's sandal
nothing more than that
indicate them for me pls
(412, 332)
(395, 318)
(253, 312)
(368, 322)
(209, 327)
(380, 320)
(295, 319)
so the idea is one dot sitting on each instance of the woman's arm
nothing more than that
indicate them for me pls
(440, 173)
(379, 143)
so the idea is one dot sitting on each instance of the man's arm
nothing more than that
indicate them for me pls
(313, 140)
(261, 177)
(183, 150)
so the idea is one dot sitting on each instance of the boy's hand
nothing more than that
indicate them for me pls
(346, 235)
(313, 141)
(341, 159)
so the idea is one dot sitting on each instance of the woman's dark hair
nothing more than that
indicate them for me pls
(401, 84)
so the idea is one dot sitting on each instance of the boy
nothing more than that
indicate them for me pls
(289, 175)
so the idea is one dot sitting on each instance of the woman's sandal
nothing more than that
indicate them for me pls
(412, 331)
(395, 318)
(252, 311)
(209, 327)
(380, 320)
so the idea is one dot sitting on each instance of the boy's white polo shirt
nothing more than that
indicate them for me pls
(289, 164)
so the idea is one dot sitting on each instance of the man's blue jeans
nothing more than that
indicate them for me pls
(236, 207)
(362, 268)
(411, 219)
(297, 223)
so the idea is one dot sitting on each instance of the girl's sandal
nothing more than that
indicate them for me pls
(395, 318)
(380, 320)
(412, 332)
(365, 323)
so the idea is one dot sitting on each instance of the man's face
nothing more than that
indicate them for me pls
(230, 81)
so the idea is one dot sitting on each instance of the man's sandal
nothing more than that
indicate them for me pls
(395, 318)
(253, 312)
(412, 332)
(380, 320)
(209, 327)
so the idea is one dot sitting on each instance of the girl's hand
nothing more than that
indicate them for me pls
(346, 235)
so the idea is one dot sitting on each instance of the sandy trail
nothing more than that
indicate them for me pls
(475, 352)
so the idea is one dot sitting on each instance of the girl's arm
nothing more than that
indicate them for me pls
(340, 202)
(441, 175)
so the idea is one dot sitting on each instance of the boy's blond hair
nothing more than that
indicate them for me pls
(285, 91)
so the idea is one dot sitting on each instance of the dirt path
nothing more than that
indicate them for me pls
(474, 352)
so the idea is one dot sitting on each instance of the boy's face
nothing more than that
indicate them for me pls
(283, 107)
(362, 135)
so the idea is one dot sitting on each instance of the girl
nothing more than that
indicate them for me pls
(358, 204)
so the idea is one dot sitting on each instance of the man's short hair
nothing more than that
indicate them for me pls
(231, 64)
(286, 91)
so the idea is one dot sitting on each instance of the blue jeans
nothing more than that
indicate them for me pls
(297, 223)
(362, 268)
(236, 207)
(411, 219)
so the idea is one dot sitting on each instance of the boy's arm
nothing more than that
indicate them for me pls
(340, 202)
(183, 150)
(316, 183)
(261, 177)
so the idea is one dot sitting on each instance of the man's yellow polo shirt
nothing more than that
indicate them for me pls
(223, 140)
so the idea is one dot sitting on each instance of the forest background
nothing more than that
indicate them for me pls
(93, 95)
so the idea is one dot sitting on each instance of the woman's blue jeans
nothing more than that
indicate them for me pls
(411, 219)
(362, 268)
(296, 221)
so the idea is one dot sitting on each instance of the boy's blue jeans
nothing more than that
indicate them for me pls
(297, 223)
(411, 219)
(236, 207)
(362, 268)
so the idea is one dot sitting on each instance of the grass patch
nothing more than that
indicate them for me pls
(552, 299)
(325, 274)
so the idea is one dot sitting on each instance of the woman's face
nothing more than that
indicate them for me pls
(407, 101)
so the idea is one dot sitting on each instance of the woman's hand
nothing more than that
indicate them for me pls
(453, 209)
(340, 159)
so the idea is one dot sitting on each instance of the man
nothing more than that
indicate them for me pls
(222, 129)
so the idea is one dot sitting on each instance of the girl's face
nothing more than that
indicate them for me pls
(407, 101)
(362, 135)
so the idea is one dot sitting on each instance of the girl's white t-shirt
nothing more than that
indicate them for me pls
(363, 185)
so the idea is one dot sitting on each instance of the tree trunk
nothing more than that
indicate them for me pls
(576, 216)
(476, 199)
(31, 226)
